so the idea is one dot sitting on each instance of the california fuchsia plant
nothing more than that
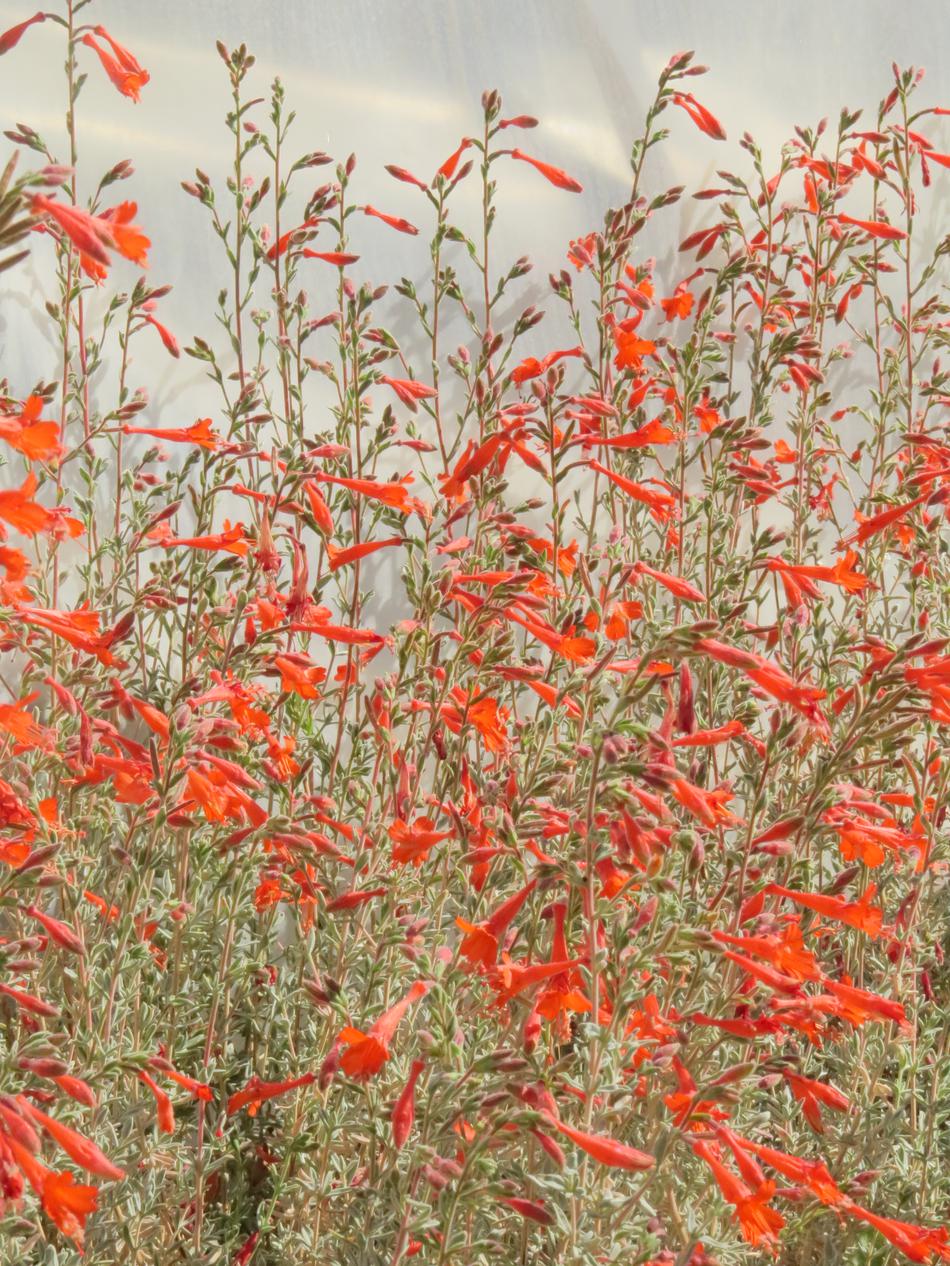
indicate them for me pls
(477, 797)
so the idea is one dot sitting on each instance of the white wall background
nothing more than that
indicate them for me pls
(399, 81)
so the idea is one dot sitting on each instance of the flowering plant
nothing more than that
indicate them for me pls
(483, 801)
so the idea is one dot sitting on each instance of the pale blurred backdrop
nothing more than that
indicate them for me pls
(399, 81)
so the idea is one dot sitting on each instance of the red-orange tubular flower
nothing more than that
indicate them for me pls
(367, 1052)
(121, 67)
(340, 259)
(705, 121)
(812, 1094)
(662, 504)
(562, 993)
(10, 38)
(93, 234)
(394, 221)
(875, 228)
(76, 1146)
(509, 979)
(166, 1113)
(199, 433)
(785, 952)
(919, 1243)
(810, 1174)
(533, 1210)
(858, 1005)
(413, 841)
(353, 553)
(257, 1092)
(409, 391)
(232, 540)
(19, 510)
(860, 914)
(554, 174)
(77, 1089)
(36, 438)
(605, 1150)
(759, 1223)
(481, 941)
(933, 679)
(677, 586)
(404, 1109)
(65, 1202)
(59, 932)
(531, 367)
(447, 170)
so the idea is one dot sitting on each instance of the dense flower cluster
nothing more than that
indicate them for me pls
(480, 803)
